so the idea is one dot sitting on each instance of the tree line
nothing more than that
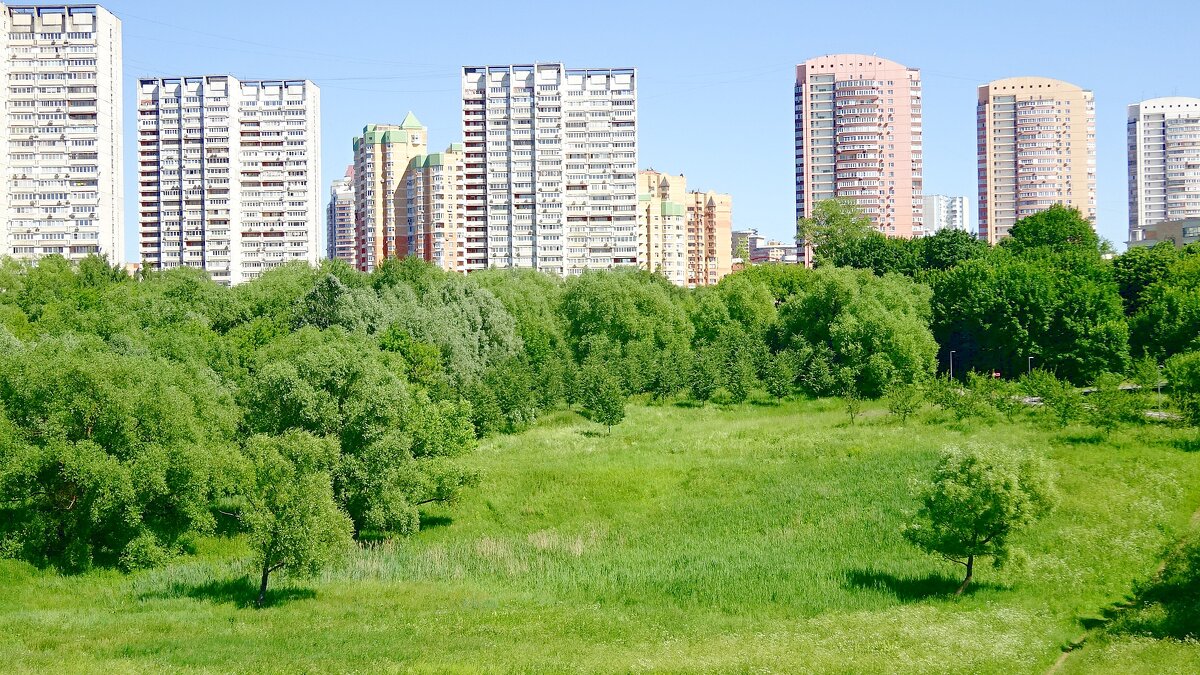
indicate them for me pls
(317, 406)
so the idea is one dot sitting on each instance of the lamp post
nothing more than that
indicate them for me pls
(952, 364)
(1029, 370)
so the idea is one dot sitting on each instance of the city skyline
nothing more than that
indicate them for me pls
(367, 78)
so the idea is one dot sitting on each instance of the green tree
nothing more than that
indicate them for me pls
(1139, 268)
(290, 513)
(977, 499)
(904, 400)
(833, 225)
(1183, 377)
(1058, 228)
(781, 375)
(603, 400)
(1109, 406)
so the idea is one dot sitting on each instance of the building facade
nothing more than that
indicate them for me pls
(551, 167)
(433, 200)
(945, 212)
(858, 136)
(662, 225)
(1036, 148)
(64, 176)
(381, 156)
(1164, 162)
(228, 174)
(1180, 232)
(339, 219)
(709, 233)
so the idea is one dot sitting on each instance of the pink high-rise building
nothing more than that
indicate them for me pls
(858, 136)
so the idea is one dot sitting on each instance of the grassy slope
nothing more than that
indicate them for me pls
(688, 540)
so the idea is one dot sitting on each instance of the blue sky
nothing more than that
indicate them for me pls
(715, 89)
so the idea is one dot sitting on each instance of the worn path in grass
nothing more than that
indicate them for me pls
(694, 540)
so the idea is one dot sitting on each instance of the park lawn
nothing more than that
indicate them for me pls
(715, 539)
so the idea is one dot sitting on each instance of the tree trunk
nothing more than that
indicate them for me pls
(262, 589)
(965, 583)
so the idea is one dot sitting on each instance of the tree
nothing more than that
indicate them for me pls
(1109, 406)
(1058, 228)
(781, 375)
(904, 400)
(290, 514)
(603, 399)
(833, 225)
(853, 401)
(1183, 376)
(977, 499)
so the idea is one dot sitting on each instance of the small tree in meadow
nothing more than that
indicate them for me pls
(603, 398)
(290, 513)
(1109, 406)
(781, 375)
(977, 499)
(1183, 376)
(904, 399)
(1147, 375)
(854, 403)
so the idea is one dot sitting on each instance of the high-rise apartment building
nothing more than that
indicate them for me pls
(339, 219)
(228, 174)
(685, 236)
(858, 137)
(662, 225)
(551, 167)
(434, 208)
(1164, 162)
(709, 233)
(61, 150)
(945, 212)
(381, 156)
(1037, 148)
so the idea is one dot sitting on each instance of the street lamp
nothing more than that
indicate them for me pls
(1029, 371)
(952, 364)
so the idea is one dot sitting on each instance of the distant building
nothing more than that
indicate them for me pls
(773, 252)
(709, 222)
(741, 240)
(1182, 232)
(63, 191)
(435, 208)
(943, 212)
(551, 159)
(858, 137)
(339, 219)
(381, 155)
(1164, 162)
(1036, 148)
(229, 174)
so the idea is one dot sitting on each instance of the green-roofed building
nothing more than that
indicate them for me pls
(381, 155)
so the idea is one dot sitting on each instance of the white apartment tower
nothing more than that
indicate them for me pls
(339, 219)
(228, 174)
(551, 167)
(61, 150)
(945, 212)
(1164, 162)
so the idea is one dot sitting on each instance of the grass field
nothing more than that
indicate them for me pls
(752, 538)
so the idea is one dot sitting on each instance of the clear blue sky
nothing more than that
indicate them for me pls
(715, 89)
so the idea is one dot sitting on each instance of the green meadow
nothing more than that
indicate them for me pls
(749, 538)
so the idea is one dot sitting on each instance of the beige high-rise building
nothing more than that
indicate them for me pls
(662, 224)
(709, 237)
(1164, 163)
(1037, 148)
(687, 236)
(381, 156)
(434, 208)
